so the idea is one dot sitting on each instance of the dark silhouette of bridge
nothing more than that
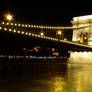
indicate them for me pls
(44, 36)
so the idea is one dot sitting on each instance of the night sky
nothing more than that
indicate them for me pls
(46, 12)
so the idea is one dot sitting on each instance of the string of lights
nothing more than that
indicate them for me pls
(40, 27)
(28, 33)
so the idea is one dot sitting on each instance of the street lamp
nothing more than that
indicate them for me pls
(60, 34)
(9, 17)
(65, 39)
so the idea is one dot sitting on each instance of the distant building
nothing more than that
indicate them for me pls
(82, 32)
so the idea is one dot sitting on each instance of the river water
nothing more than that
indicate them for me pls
(45, 77)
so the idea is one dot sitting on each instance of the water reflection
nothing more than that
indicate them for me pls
(46, 77)
(78, 79)
(80, 76)
(59, 84)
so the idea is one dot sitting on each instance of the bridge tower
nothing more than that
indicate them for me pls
(82, 34)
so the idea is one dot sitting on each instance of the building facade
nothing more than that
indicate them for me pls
(82, 29)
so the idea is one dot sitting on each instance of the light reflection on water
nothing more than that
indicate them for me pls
(80, 77)
(59, 84)
(46, 77)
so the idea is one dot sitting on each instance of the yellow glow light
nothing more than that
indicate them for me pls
(26, 33)
(78, 38)
(44, 37)
(37, 26)
(81, 57)
(5, 29)
(14, 31)
(59, 32)
(15, 24)
(81, 39)
(22, 25)
(59, 84)
(39, 36)
(56, 39)
(33, 35)
(25, 25)
(10, 30)
(36, 35)
(28, 25)
(22, 32)
(9, 17)
(19, 24)
(18, 32)
(0, 28)
(7, 23)
(41, 26)
(74, 39)
(90, 43)
(49, 38)
(65, 39)
(42, 34)
(29, 34)
(11, 23)
(3, 23)
(32, 26)
(85, 38)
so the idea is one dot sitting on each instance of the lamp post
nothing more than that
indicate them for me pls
(59, 34)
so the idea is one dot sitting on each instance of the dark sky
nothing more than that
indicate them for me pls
(46, 12)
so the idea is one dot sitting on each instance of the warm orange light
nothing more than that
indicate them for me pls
(9, 17)
(65, 39)
(59, 32)
(85, 38)
(42, 33)
(81, 39)
(90, 43)
(0, 28)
